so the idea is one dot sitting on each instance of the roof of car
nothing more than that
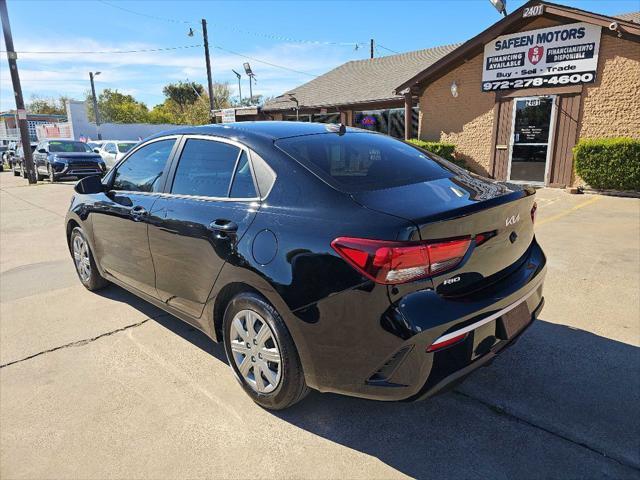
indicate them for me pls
(271, 130)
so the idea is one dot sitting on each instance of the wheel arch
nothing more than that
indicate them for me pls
(71, 224)
(234, 280)
(222, 300)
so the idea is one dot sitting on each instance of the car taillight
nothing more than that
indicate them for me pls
(534, 211)
(389, 262)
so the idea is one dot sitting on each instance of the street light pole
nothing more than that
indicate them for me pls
(252, 76)
(23, 125)
(96, 112)
(205, 38)
(239, 85)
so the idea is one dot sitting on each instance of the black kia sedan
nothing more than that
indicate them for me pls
(322, 257)
(55, 159)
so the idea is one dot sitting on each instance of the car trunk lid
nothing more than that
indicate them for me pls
(497, 218)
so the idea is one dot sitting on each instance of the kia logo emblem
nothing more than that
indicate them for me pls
(512, 220)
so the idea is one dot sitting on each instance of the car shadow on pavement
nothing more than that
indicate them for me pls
(168, 321)
(553, 406)
(562, 403)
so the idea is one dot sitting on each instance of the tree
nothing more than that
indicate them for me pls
(48, 106)
(116, 107)
(184, 108)
(183, 94)
(221, 96)
(257, 100)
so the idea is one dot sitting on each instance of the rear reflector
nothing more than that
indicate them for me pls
(445, 343)
(389, 262)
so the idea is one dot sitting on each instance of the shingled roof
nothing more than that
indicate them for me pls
(629, 17)
(360, 81)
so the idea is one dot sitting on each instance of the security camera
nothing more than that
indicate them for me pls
(613, 26)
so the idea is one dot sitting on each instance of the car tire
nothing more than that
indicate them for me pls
(16, 173)
(247, 309)
(39, 177)
(83, 260)
(52, 176)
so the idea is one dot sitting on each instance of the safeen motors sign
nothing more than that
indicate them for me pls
(549, 57)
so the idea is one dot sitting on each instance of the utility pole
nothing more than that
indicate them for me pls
(23, 126)
(96, 112)
(372, 48)
(208, 61)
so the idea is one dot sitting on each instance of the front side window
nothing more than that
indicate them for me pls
(110, 148)
(205, 168)
(142, 170)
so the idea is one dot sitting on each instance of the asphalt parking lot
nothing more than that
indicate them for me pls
(107, 386)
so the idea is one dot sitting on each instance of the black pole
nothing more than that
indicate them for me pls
(208, 61)
(250, 90)
(95, 105)
(240, 89)
(23, 126)
(372, 48)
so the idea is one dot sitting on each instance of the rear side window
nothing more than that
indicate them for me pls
(142, 170)
(205, 168)
(243, 186)
(361, 161)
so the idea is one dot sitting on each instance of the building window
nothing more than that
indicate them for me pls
(389, 121)
(326, 117)
(303, 117)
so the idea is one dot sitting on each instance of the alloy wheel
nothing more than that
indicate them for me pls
(255, 351)
(81, 258)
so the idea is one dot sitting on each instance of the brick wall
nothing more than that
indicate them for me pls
(611, 106)
(466, 120)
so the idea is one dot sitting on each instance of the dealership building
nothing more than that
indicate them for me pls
(516, 98)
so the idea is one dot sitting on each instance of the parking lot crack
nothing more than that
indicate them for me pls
(80, 343)
(499, 410)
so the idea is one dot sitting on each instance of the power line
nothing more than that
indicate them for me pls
(263, 61)
(124, 9)
(58, 52)
(235, 29)
(388, 49)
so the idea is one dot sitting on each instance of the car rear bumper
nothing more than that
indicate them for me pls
(384, 355)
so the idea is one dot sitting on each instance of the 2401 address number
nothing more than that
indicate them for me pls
(538, 82)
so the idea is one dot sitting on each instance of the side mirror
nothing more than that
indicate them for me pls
(90, 185)
(96, 150)
(42, 150)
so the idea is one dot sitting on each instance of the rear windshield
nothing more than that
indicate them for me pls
(69, 147)
(125, 147)
(362, 161)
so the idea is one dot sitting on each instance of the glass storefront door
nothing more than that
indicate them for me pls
(532, 125)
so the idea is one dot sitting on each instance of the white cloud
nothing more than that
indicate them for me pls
(144, 73)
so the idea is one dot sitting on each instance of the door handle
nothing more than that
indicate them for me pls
(223, 227)
(138, 213)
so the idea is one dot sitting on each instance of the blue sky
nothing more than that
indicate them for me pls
(310, 37)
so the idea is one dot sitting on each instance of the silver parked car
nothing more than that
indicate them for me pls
(113, 150)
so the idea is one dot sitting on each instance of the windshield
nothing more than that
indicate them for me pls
(124, 147)
(362, 161)
(69, 147)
